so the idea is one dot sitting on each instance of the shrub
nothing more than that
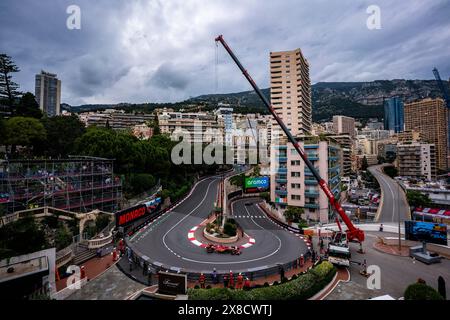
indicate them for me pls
(266, 284)
(421, 291)
(229, 229)
(322, 269)
(301, 288)
(275, 283)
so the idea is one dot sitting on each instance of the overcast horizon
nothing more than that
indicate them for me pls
(164, 51)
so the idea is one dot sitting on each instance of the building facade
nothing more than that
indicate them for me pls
(293, 184)
(416, 160)
(48, 93)
(290, 90)
(394, 119)
(198, 127)
(344, 125)
(429, 117)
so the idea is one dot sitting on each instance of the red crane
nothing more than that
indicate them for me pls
(353, 233)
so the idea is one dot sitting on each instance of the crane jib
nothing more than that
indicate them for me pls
(353, 232)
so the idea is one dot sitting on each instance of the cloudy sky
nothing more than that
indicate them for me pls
(157, 51)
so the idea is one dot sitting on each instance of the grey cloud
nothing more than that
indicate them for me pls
(169, 76)
(164, 50)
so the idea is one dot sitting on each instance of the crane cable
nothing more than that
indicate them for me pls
(216, 64)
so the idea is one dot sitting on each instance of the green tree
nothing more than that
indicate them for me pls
(155, 126)
(293, 213)
(8, 88)
(256, 171)
(421, 291)
(238, 180)
(102, 142)
(28, 107)
(21, 237)
(417, 199)
(62, 132)
(21, 131)
(63, 237)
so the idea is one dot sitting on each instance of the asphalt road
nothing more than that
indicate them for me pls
(166, 241)
(394, 204)
(396, 272)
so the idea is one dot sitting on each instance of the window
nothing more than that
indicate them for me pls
(295, 174)
(295, 162)
(295, 186)
(295, 197)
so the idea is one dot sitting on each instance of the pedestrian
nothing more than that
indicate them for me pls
(281, 274)
(130, 264)
(302, 261)
(215, 278)
(202, 281)
(231, 281)
(247, 284)
(240, 281)
(381, 227)
(149, 275)
(225, 280)
(441, 287)
(364, 267)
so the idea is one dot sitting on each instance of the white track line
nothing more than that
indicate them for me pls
(175, 225)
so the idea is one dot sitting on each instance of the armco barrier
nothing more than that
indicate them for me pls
(280, 223)
(142, 261)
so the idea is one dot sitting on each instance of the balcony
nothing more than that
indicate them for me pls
(312, 205)
(281, 192)
(311, 194)
(310, 182)
(282, 159)
(280, 147)
(312, 156)
(281, 179)
(311, 146)
(282, 170)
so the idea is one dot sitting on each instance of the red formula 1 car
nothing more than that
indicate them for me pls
(218, 248)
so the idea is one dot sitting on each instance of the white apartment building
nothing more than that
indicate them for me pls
(293, 184)
(416, 160)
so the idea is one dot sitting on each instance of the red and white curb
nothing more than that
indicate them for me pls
(192, 239)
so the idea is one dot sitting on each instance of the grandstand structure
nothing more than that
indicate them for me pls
(77, 184)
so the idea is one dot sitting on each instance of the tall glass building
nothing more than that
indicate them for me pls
(394, 118)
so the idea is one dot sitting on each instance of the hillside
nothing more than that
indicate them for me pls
(361, 100)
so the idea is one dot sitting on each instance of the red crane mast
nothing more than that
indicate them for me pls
(353, 233)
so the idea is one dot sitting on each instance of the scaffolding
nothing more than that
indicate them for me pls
(79, 184)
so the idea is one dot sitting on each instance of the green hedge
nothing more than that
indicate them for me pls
(302, 288)
(421, 291)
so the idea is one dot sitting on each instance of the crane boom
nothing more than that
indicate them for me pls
(353, 233)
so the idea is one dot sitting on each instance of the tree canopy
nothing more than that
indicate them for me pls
(8, 88)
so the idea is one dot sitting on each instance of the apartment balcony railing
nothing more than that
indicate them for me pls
(282, 169)
(281, 192)
(282, 159)
(310, 182)
(312, 205)
(311, 194)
